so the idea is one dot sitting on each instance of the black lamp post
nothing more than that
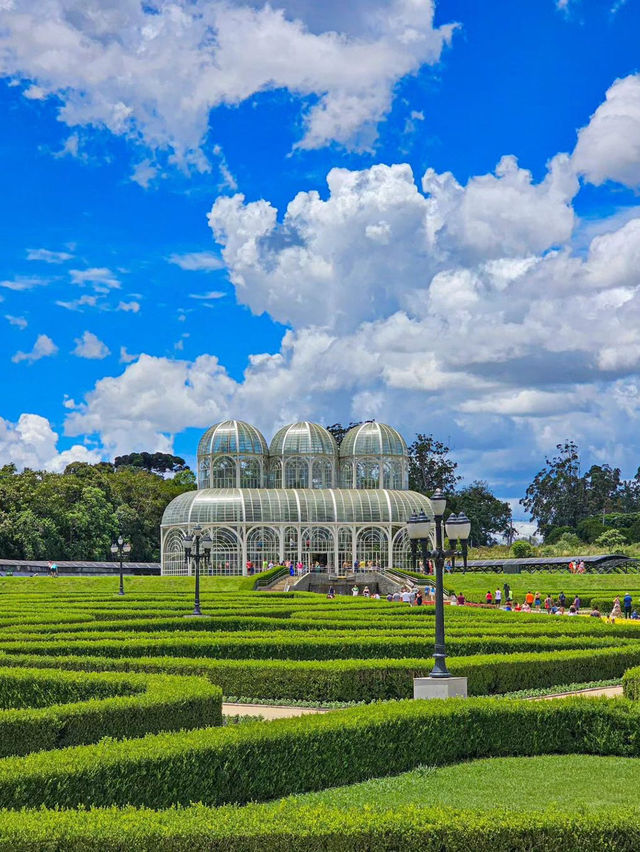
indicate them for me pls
(420, 529)
(198, 538)
(120, 548)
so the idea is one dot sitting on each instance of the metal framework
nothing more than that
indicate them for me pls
(282, 503)
(330, 527)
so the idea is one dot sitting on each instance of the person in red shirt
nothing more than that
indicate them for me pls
(489, 598)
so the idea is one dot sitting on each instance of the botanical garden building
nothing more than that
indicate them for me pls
(301, 499)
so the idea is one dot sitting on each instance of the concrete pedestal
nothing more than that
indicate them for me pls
(439, 687)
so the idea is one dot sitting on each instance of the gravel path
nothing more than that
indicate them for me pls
(607, 691)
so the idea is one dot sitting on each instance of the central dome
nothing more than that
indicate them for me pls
(303, 439)
(303, 455)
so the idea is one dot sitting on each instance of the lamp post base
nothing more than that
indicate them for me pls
(440, 687)
(196, 615)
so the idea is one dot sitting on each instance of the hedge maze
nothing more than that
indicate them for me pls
(111, 734)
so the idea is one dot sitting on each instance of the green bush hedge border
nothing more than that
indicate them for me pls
(259, 761)
(155, 702)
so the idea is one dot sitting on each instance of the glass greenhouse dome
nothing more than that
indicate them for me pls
(374, 455)
(281, 505)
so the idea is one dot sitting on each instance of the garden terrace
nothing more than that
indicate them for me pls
(81, 668)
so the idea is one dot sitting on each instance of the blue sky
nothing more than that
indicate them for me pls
(472, 315)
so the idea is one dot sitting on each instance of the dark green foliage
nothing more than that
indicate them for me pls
(489, 516)
(76, 514)
(430, 466)
(152, 462)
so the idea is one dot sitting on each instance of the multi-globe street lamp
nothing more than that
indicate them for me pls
(420, 529)
(120, 548)
(199, 539)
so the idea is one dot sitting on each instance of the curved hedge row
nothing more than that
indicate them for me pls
(122, 706)
(363, 680)
(260, 761)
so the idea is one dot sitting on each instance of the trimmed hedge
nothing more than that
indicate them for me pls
(263, 828)
(138, 704)
(631, 683)
(260, 761)
(364, 680)
(307, 646)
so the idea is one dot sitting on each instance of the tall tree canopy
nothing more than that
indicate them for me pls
(78, 513)
(430, 466)
(339, 431)
(560, 497)
(490, 517)
(153, 462)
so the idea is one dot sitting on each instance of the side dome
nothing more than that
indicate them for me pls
(374, 455)
(233, 436)
(232, 454)
(373, 439)
(303, 455)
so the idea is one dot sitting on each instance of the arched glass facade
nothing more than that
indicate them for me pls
(300, 500)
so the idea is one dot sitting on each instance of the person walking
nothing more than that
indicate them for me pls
(507, 592)
(627, 600)
(498, 596)
(529, 598)
(562, 599)
(489, 598)
(578, 603)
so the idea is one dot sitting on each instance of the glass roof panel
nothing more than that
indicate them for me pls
(284, 505)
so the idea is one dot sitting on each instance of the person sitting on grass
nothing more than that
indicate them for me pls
(595, 612)
(526, 607)
(461, 599)
(634, 615)
(572, 610)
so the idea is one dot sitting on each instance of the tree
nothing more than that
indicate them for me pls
(339, 431)
(153, 462)
(489, 516)
(430, 466)
(556, 497)
(602, 489)
(521, 549)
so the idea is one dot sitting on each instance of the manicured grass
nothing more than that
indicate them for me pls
(607, 586)
(520, 784)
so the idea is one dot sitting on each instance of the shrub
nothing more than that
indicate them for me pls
(612, 540)
(521, 549)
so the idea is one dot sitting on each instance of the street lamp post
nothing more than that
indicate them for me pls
(193, 552)
(120, 548)
(420, 529)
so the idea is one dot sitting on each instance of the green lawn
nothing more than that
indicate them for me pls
(474, 586)
(568, 782)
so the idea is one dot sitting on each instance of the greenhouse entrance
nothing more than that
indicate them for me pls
(319, 559)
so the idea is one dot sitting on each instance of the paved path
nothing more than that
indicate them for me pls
(607, 691)
(268, 711)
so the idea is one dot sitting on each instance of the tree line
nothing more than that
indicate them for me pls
(563, 500)
(78, 514)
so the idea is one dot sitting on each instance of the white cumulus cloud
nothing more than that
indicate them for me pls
(42, 348)
(155, 72)
(91, 347)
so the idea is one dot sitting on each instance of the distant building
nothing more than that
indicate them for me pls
(300, 500)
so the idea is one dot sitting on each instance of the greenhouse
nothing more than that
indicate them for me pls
(301, 500)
